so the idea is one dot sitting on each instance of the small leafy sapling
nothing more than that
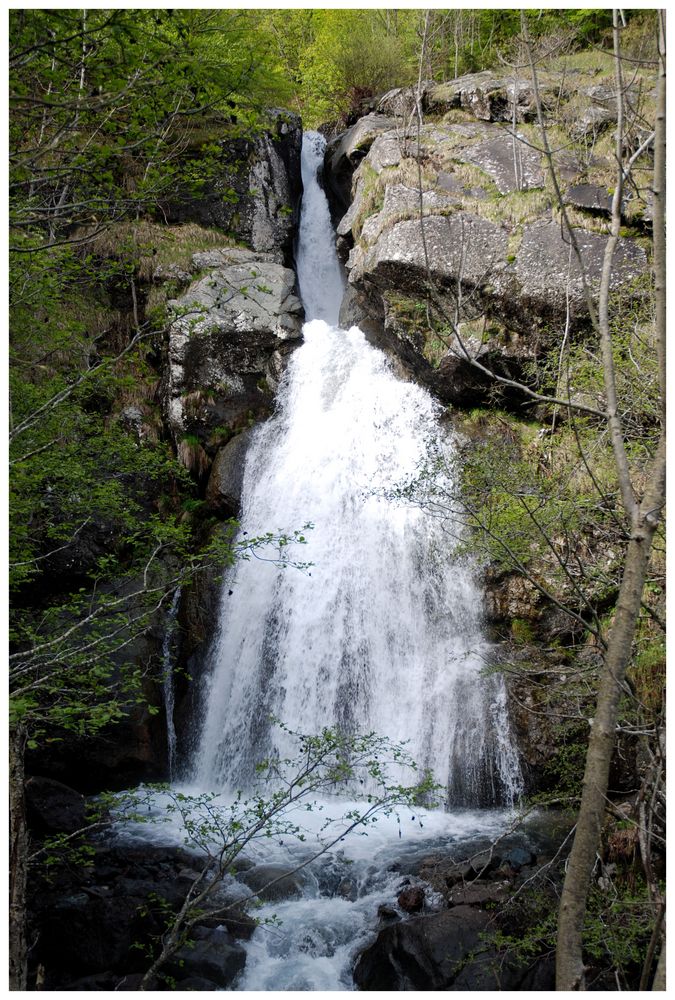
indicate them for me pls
(218, 828)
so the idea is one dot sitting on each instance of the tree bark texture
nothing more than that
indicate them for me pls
(569, 954)
(18, 862)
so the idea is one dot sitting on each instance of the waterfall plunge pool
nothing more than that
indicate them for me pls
(317, 921)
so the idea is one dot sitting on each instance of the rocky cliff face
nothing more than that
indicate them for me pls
(254, 188)
(230, 333)
(465, 204)
(233, 320)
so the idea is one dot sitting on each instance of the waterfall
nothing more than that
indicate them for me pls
(383, 632)
(319, 275)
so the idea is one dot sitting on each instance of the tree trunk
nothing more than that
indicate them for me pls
(659, 983)
(569, 959)
(570, 971)
(18, 862)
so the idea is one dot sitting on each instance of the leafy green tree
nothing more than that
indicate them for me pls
(104, 102)
(104, 105)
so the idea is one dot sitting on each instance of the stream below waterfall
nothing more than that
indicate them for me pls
(381, 633)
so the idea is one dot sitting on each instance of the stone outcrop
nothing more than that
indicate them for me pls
(474, 213)
(95, 922)
(451, 946)
(223, 490)
(252, 190)
(213, 959)
(345, 152)
(53, 807)
(230, 332)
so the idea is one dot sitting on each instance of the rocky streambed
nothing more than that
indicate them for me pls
(419, 910)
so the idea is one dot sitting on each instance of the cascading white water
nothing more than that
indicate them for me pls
(319, 275)
(384, 633)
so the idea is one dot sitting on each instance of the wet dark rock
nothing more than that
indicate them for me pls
(196, 984)
(485, 862)
(519, 857)
(411, 900)
(450, 950)
(348, 889)
(478, 894)
(53, 807)
(96, 920)
(352, 311)
(212, 954)
(90, 933)
(119, 756)
(540, 976)
(239, 924)
(286, 884)
(223, 491)
(387, 914)
(425, 953)
(106, 981)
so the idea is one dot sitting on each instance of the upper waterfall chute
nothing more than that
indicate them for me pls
(318, 268)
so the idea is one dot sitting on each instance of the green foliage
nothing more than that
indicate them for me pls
(647, 672)
(522, 631)
(130, 86)
(111, 111)
(334, 57)
(617, 926)
(565, 770)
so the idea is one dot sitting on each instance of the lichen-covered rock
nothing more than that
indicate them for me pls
(228, 327)
(402, 202)
(488, 230)
(511, 162)
(401, 102)
(549, 275)
(489, 97)
(345, 152)
(456, 244)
